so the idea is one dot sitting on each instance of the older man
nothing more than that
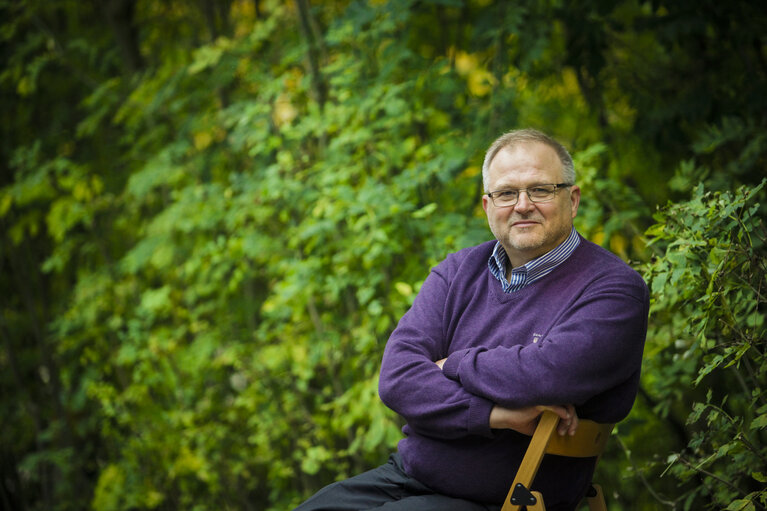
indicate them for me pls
(539, 318)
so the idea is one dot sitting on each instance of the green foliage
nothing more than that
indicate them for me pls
(709, 329)
(214, 213)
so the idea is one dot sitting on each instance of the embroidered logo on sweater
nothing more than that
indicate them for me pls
(536, 337)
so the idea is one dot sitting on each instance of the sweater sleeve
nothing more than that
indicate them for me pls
(596, 346)
(412, 384)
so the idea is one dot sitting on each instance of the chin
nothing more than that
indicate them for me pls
(523, 244)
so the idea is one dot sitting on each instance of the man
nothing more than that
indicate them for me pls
(539, 318)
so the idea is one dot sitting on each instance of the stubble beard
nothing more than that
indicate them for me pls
(525, 238)
(534, 238)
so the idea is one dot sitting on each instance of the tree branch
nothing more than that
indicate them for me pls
(318, 84)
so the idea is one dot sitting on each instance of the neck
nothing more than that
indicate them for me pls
(518, 261)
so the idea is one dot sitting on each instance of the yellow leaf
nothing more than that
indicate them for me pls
(618, 245)
(465, 63)
(471, 171)
(480, 82)
(82, 192)
(598, 237)
(202, 140)
(404, 288)
(284, 111)
(25, 87)
(6, 201)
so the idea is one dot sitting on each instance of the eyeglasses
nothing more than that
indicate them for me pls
(537, 193)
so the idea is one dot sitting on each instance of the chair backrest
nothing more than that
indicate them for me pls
(589, 441)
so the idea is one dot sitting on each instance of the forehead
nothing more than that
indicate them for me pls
(525, 164)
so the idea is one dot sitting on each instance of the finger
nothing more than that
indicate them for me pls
(562, 411)
(573, 426)
(568, 422)
(564, 414)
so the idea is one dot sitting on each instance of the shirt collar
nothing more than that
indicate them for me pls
(533, 270)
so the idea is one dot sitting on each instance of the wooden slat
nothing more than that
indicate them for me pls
(533, 456)
(589, 440)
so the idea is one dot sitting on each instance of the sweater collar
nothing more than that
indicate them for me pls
(534, 269)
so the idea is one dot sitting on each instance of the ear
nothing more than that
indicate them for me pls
(575, 199)
(485, 202)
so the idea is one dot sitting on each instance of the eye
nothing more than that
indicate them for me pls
(506, 194)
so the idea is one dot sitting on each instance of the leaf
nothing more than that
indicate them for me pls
(65, 214)
(759, 422)
(425, 211)
(741, 505)
(156, 300)
(404, 289)
(208, 56)
(110, 489)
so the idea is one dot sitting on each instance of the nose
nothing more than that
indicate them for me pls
(523, 202)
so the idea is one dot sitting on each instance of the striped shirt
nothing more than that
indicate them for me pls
(538, 268)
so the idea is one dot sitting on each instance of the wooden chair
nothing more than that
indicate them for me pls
(589, 441)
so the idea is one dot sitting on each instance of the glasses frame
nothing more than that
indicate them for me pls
(556, 186)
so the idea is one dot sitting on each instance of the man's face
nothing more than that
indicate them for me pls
(528, 230)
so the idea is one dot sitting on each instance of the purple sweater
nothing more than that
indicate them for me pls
(575, 336)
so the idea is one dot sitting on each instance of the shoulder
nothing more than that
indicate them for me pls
(603, 265)
(467, 261)
(600, 256)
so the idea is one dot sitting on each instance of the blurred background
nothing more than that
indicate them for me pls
(214, 212)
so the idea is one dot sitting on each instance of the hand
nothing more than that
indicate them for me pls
(525, 420)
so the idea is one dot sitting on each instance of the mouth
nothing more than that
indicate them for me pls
(521, 224)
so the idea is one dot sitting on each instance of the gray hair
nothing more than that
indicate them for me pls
(513, 138)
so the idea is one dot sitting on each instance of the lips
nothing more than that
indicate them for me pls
(524, 223)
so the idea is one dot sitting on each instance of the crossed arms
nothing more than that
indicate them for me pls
(444, 391)
(525, 419)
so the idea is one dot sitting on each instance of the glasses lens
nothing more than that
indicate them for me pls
(541, 193)
(505, 197)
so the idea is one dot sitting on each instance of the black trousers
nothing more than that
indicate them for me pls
(386, 488)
